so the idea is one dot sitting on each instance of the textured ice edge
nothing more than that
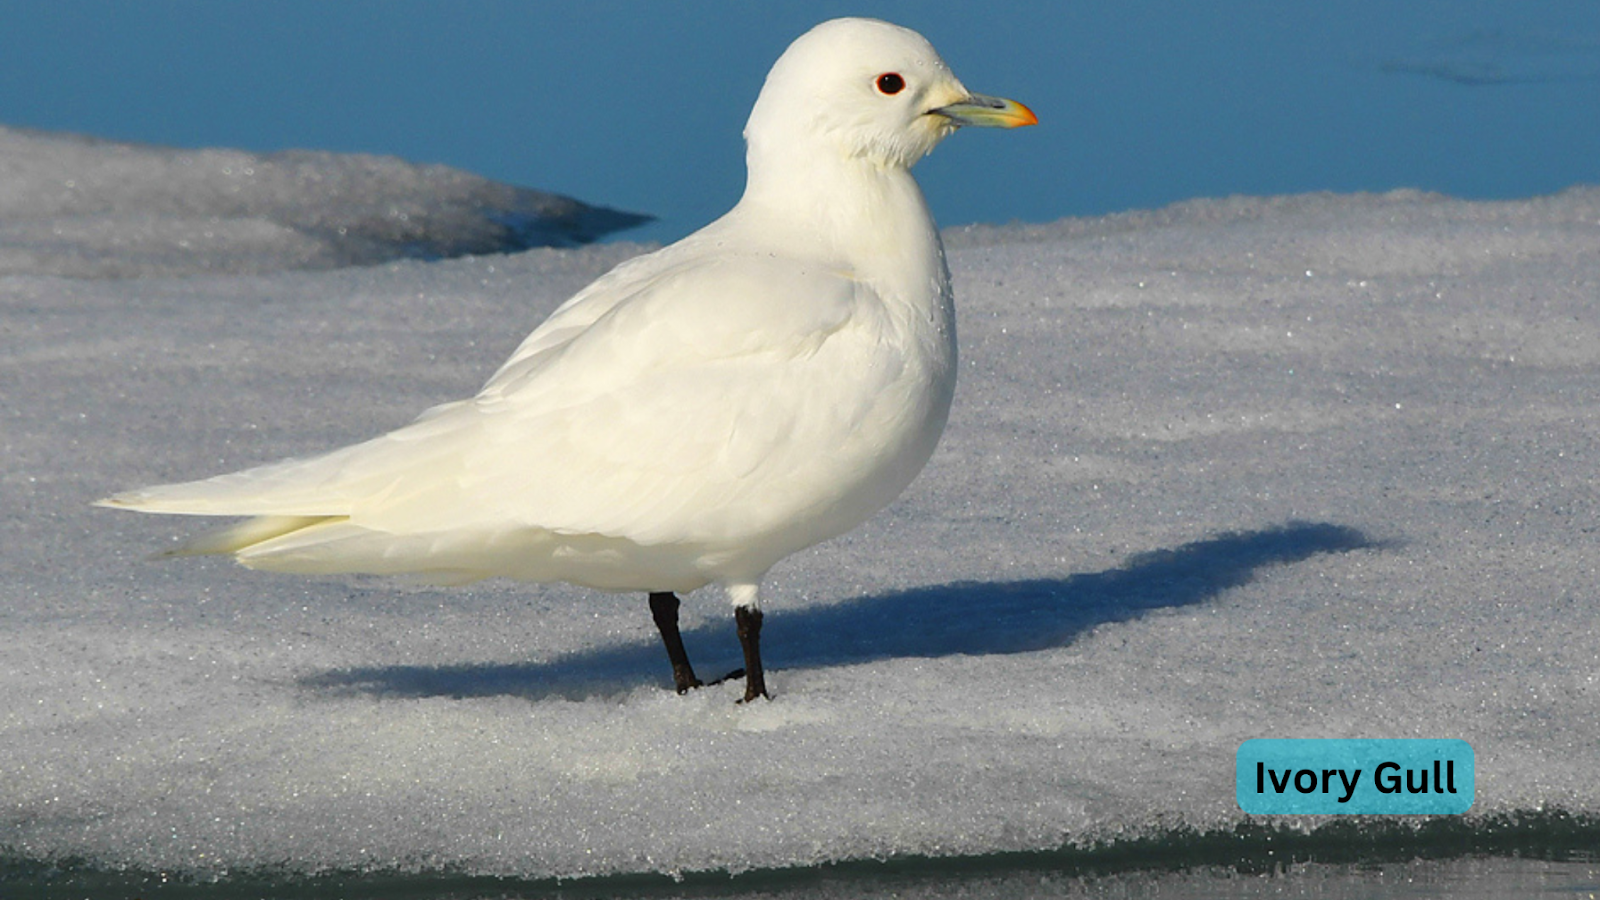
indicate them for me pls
(1254, 846)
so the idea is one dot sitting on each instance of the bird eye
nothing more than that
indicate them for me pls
(890, 83)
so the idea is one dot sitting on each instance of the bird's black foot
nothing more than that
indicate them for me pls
(749, 621)
(664, 609)
(684, 680)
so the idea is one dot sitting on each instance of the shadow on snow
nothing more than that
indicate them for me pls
(971, 618)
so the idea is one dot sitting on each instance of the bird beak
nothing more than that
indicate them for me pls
(993, 112)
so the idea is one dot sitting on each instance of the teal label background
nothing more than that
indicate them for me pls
(1415, 759)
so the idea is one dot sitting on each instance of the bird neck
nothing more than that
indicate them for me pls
(852, 211)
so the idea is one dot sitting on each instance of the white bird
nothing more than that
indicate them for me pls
(696, 414)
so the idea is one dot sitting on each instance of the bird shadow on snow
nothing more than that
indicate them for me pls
(967, 618)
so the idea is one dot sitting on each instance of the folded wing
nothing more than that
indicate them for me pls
(688, 409)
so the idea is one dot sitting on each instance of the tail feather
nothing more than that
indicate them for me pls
(319, 486)
(242, 535)
(292, 488)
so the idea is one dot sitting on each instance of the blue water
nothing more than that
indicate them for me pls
(639, 105)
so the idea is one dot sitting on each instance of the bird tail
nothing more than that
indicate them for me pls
(206, 499)
(241, 536)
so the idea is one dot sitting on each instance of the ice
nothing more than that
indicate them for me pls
(92, 208)
(1312, 466)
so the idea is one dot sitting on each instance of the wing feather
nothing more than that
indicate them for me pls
(680, 411)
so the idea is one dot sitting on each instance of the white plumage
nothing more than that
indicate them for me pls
(696, 414)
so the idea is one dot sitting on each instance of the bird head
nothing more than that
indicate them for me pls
(867, 90)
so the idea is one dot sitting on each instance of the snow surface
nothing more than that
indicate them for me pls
(86, 207)
(1315, 466)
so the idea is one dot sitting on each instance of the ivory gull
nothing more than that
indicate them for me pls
(696, 414)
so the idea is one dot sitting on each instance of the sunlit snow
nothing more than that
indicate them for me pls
(1316, 466)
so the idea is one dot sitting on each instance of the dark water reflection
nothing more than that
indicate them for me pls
(1467, 879)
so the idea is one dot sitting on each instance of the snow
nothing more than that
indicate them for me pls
(84, 207)
(1312, 466)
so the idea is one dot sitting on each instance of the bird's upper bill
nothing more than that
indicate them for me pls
(992, 112)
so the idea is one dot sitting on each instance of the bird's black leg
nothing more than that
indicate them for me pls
(748, 618)
(664, 608)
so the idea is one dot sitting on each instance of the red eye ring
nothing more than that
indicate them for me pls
(890, 83)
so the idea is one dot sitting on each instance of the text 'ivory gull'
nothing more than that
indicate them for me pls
(696, 414)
